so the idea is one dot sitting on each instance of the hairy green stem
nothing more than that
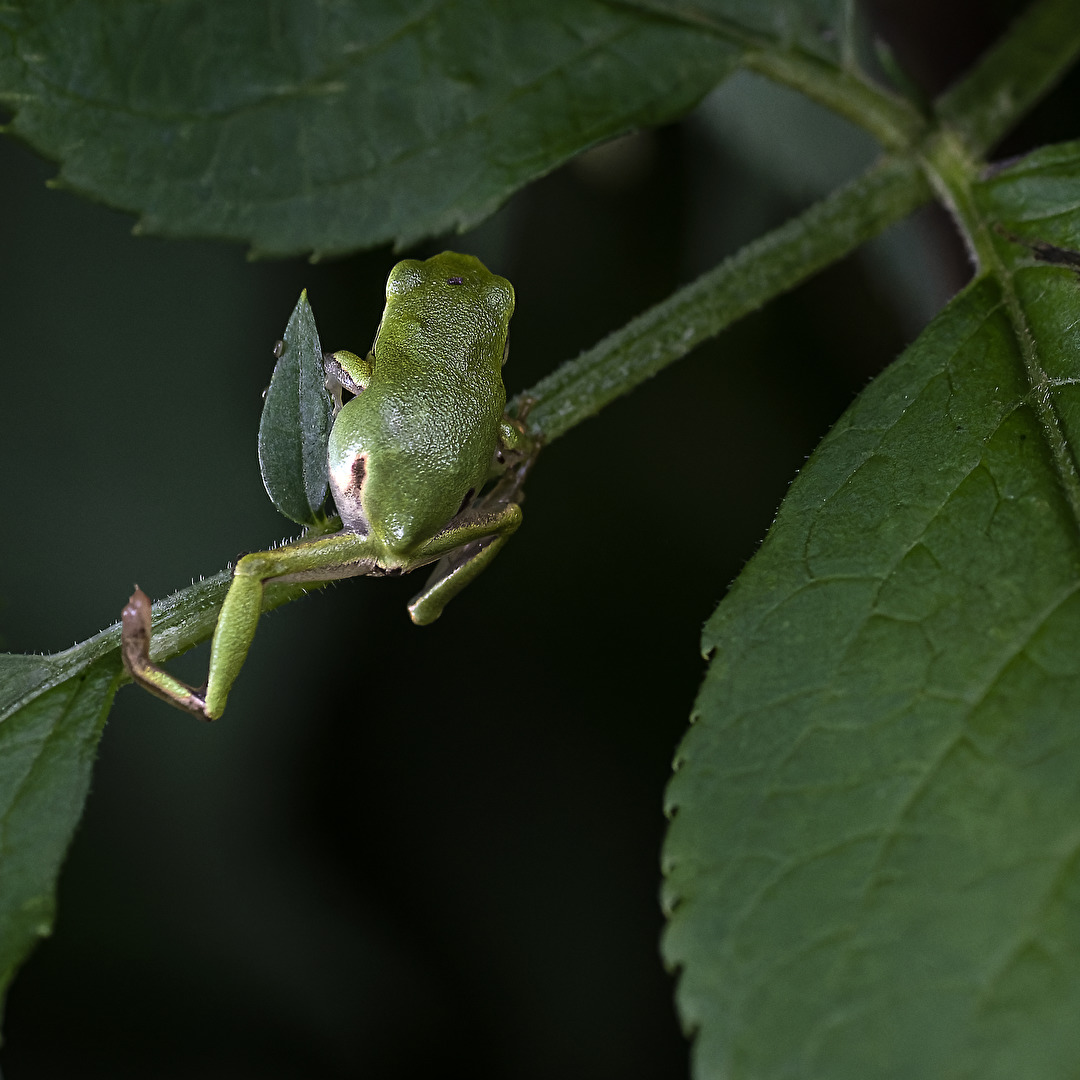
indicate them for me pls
(894, 122)
(1013, 76)
(762, 270)
(891, 119)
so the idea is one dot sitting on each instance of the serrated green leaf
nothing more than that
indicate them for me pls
(873, 866)
(329, 126)
(295, 422)
(47, 750)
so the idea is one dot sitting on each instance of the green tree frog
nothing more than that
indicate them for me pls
(424, 467)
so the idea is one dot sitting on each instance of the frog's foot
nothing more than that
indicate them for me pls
(522, 406)
(135, 651)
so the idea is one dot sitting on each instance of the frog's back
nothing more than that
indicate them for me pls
(426, 426)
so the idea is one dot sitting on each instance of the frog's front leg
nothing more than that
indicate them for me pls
(341, 555)
(345, 371)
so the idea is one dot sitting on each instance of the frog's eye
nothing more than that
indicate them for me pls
(403, 278)
(499, 296)
(455, 281)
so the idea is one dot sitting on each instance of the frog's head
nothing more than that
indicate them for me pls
(456, 293)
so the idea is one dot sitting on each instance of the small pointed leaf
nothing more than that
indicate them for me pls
(295, 424)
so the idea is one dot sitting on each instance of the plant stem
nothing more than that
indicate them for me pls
(1014, 75)
(951, 169)
(762, 270)
(891, 119)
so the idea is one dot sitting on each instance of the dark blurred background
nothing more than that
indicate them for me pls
(403, 851)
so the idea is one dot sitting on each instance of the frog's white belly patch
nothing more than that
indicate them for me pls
(347, 486)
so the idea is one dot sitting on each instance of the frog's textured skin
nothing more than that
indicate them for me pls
(406, 452)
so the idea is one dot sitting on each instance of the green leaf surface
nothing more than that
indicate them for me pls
(295, 422)
(873, 867)
(329, 126)
(47, 750)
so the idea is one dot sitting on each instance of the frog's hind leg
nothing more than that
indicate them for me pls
(329, 558)
(326, 558)
(135, 652)
(466, 550)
